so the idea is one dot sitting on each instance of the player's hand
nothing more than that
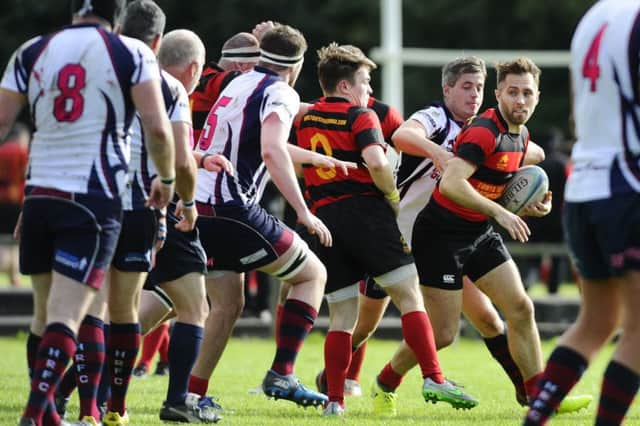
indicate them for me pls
(316, 227)
(440, 159)
(187, 215)
(538, 208)
(160, 194)
(260, 29)
(514, 224)
(18, 229)
(217, 163)
(326, 162)
(161, 231)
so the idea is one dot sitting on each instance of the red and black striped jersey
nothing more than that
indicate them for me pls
(213, 80)
(487, 144)
(342, 130)
(390, 118)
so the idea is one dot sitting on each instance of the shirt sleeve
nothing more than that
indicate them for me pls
(367, 130)
(145, 64)
(282, 100)
(180, 110)
(474, 144)
(432, 118)
(16, 76)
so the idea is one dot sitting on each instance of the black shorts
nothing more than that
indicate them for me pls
(370, 288)
(604, 235)
(73, 234)
(182, 254)
(133, 253)
(8, 217)
(366, 241)
(447, 247)
(241, 238)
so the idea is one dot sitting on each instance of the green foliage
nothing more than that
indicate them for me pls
(246, 360)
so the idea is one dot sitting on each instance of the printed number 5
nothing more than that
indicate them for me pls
(210, 125)
(590, 66)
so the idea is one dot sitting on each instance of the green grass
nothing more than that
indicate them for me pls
(246, 360)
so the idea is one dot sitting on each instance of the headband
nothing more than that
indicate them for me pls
(283, 61)
(241, 54)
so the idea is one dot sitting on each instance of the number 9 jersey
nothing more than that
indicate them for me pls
(605, 72)
(78, 83)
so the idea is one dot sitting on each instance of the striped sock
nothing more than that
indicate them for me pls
(417, 332)
(56, 348)
(619, 387)
(122, 350)
(33, 341)
(104, 389)
(337, 355)
(499, 348)
(357, 359)
(89, 359)
(564, 369)
(68, 383)
(183, 351)
(296, 321)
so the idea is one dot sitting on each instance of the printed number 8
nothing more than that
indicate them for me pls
(69, 104)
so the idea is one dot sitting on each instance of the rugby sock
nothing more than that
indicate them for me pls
(89, 360)
(357, 359)
(163, 349)
(68, 382)
(122, 350)
(54, 352)
(33, 341)
(619, 387)
(198, 385)
(104, 389)
(296, 322)
(564, 369)
(389, 380)
(183, 351)
(151, 344)
(417, 332)
(337, 354)
(276, 326)
(499, 348)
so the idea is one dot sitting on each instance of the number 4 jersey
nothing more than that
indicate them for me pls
(78, 82)
(605, 70)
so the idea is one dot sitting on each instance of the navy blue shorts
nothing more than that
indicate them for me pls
(72, 234)
(241, 238)
(604, 235)
(181, 254)
(447, 247)
(138, 235)
(370, 288)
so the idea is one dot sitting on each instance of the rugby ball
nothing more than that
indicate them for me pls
(527, 185)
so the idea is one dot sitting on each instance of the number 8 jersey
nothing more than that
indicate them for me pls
(605, 72)
(78, 85)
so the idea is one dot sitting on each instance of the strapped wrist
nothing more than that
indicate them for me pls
(167, 180)
(189, 204)
(201, 162)
(393, 196)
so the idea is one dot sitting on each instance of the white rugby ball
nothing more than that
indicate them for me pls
(528, 184)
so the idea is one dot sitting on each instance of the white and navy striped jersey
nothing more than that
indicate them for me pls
(233, 129)
(78, 85)
(141, 169)
(605, 72)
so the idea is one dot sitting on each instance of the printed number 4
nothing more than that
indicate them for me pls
(590, 66)
(212, 120)
(69, 104)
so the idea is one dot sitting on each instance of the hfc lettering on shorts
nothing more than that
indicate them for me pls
(254, 257)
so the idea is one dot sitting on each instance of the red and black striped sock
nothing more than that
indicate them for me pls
(564, 369)
(122, 350)
(619, 387)
(33, 342)
(296, 322)
(89, 359)
(388, 379)
(54, 352)
(417, 332)
(278, 321)
(68, 383)
(337, 355)
(357, 359)
(499, 348)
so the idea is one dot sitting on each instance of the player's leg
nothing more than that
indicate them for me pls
(479, 311)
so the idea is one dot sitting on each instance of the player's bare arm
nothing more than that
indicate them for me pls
(304, 156)
(185, 176)
(273, 142)
(411, 138)
(12, 103)
(455, 186)
(147, 97)
(534, 155)
(382, 174)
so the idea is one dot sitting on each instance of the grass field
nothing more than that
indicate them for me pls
(245, 361)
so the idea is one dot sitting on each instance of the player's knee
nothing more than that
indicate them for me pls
(520, 310)
(488, 324)
(445, 336)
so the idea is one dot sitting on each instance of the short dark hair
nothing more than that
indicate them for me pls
(336, 63)
(144, 20)
(109, 10)
(518, 66)
(283, 40)
(452, 71)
